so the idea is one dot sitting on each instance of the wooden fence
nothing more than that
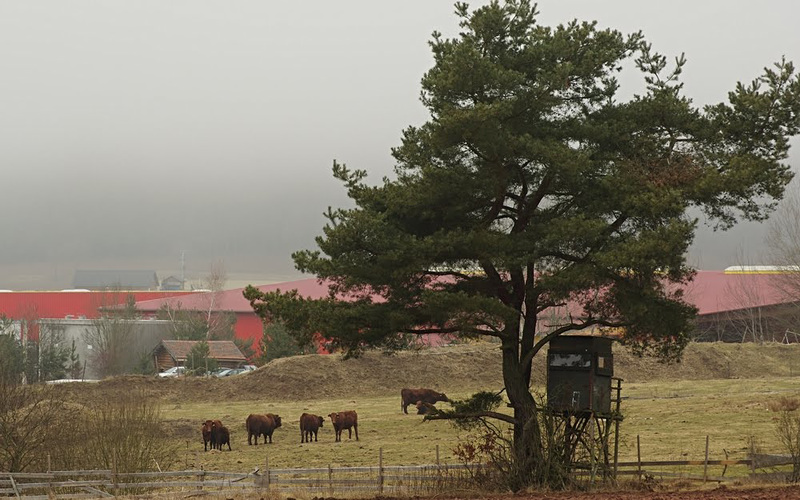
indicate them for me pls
(323, 481)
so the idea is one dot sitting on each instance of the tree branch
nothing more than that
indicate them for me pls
(455, 416)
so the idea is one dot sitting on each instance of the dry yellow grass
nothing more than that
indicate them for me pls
(719, 390)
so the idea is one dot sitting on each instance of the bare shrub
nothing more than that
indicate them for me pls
(783, 404)
(493, 460)
(34, 423)
(127, 435)
(787, 427)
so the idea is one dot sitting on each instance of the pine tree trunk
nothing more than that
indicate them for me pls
(537, 456)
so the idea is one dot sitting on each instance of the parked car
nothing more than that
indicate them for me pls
(175, 371)
(224, 372)
(227, 372)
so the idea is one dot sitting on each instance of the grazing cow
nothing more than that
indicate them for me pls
(206, 431)
(220, 435)
(309, 424)
(258, 425)
(345, 420)
(411, 396)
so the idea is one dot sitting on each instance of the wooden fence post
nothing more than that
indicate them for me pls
(49, 484)
(114, 478)
(437, 456)
(639, 456)
(202, 478)
(380, 471)
(330, 479)
(705, 464)
(266, 466)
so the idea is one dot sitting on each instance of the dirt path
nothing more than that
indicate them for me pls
(720, 493)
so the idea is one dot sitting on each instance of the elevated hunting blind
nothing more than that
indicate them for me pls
(579, 372)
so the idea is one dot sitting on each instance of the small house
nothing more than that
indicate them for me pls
(171, 353)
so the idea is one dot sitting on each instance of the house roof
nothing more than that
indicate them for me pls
(223, 350)
(122, 280)
(710, 291)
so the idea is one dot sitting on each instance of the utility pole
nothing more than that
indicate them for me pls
(183, 270)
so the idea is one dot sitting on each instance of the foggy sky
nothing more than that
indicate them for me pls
(132, 131)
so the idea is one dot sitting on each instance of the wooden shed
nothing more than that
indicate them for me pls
(579, 372)
(171, 353)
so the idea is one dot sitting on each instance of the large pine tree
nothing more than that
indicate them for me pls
(535, 185)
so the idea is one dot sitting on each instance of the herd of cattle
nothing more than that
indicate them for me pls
(217, 435)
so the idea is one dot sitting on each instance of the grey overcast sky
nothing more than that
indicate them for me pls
(131, 131)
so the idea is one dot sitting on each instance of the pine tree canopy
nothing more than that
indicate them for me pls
(536, 187)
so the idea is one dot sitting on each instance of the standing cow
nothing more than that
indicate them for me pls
(345, 420)
(205, 430)
(220, 435)
(309, 424)
(411, 396)
(258, 425)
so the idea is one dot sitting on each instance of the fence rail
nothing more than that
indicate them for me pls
(400, 480)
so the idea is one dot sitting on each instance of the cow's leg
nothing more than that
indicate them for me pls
(355, 428)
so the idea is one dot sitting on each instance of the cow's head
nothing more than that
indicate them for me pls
(277, 420)
(442, 397)
(333, 416)
(207, 426)
(320, 420)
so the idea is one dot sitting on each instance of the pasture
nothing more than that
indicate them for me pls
(672, 408)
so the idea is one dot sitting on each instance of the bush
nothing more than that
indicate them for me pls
(787, 428)
(35, 422)
(127, 434)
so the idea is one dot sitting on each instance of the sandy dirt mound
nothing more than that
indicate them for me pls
(458, 368)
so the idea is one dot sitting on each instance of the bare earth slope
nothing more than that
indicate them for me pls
(459, 368)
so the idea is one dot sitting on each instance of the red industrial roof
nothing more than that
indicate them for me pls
(716, 291)
(233, 300)
(710, 292)
(18, 305)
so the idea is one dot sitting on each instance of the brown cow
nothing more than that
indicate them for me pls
(424, 408)
(206, 431)
(309, 424)
(220, 435)
(345, 420)
(411, 396)
(258, 425)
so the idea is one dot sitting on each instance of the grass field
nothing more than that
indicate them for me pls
(671, 409)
